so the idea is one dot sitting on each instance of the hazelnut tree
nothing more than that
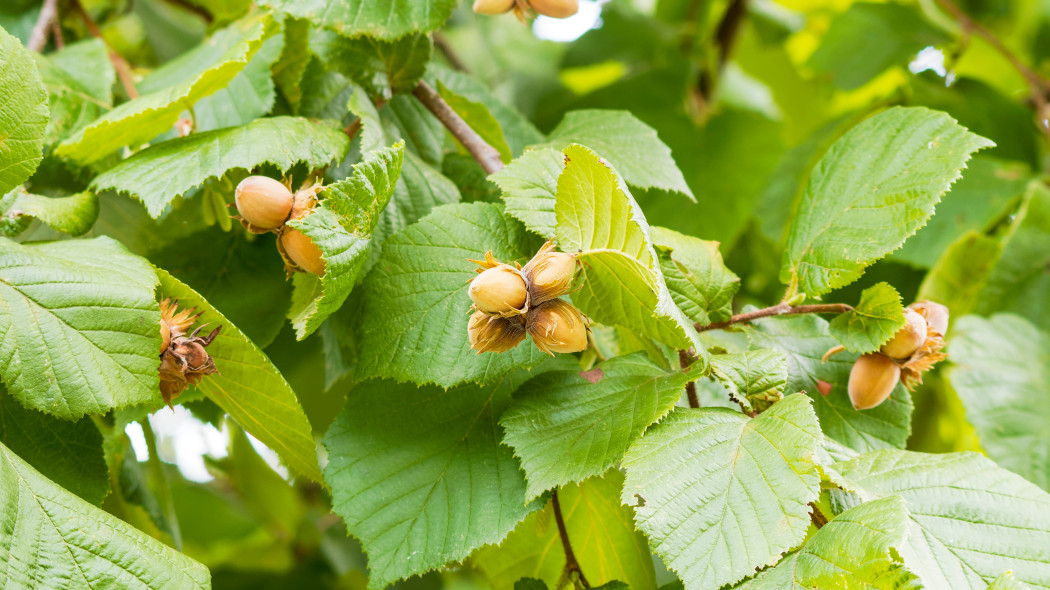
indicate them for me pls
(718, 295)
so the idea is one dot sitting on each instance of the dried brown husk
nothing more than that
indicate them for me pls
(549, 274)
(492, 333)
(184, 360)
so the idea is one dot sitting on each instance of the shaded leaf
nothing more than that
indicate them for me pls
(698, 279)
(755, 378)
(73, 215)
(529, 184)
(872, 322)
(386, 20)
(23, 113)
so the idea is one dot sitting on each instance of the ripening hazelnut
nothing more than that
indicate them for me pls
(492, 333)
(936, 315)
(872, 379)
(263, 202)
(557, 326)
(302, 251)
(499, 290)
(549, 274)
(556, 8)
(909, 338)
(492, 6)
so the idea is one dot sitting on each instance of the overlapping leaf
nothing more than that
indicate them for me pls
(699, 282)
(50, 535)
(341, 227)
(851, 552)
(970, 520)
(962, 271)
(529, 184)
(873, 188)
(23, 113)
(602, 533)
(719, 494)
(383, 20)
(75, 99)
(73, 215)
(423, 481)
(871, 322)
(381, 67)
(140, 120)
(753, 378)
(78, 326)
(1001, 373)
(804, 340)
(622, 282)
(565, 427)
(249, 388)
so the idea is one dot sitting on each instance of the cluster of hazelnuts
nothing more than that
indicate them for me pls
(183, 358)
(266, 205)
(512, 301)
(551, 8)
(913, 349)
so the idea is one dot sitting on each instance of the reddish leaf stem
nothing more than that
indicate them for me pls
(38, 37)
(571, 565)
(776, 310)
(119, 63)
(486, 155)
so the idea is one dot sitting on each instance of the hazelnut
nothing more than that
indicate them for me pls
(557, 326)
(302, 251)
(872, 379)
(492, 333)
(549, 274)
(909, 338)
(492, 6)
(263, 202)
(936, 315)
(556, 8)
(499, 290)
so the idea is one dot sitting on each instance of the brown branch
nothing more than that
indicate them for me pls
(450, 54)
(56, 34)
(352, 129)
(119, 63)
(1037, 84)
(685, 359)
(38, 38)
(486, 155)
(776, 310)
(729, 30)
(816, 516)
(571, 565)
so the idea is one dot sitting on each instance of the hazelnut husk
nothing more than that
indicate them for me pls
(492, 333)
(498, 289)
(872, 379)
(183, 358)
(263, 203)
(908, 338)
(549, 274)
(557, 326)
(936, 315)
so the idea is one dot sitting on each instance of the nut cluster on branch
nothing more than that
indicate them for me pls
(183, 358)
(914, 349)
(267, 205)
(522, 8)
(511, 302)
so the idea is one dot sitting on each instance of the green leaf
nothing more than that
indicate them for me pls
(517, 130)
(249, 388)
(622, 282)
(565, 426)
(383, 20)
(140, 120)
(381, 67)
(987, 191)
(724, 494)
(88, 64)
(874, 187)
(78, 326)
(281, 141)
(969, 519)
(699, 282)
(413, 325)
(423, 481)
(291, 67)
(872, 322)
(529, 184)
(962, 271)
(249, 95)
(73, 215)
(601, 531)
(68, 453)
(629, 145)
(1007, 581)
(1019, 278)
(1001, 372)
(853, 551)
(869, 38)
(341, 227)
(478, 117)
(755, 378)
(50, 534)
(804, 340)
(23, 113)
(75, 98)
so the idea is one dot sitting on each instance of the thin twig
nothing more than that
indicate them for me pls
(56, 34)
(571, 565)
(725, 37)
(450, 54)
(685, 359)
(38, 38)
(119, 63)
(816, 516)
(776, 310)
(1037, 84)
(486, 155)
